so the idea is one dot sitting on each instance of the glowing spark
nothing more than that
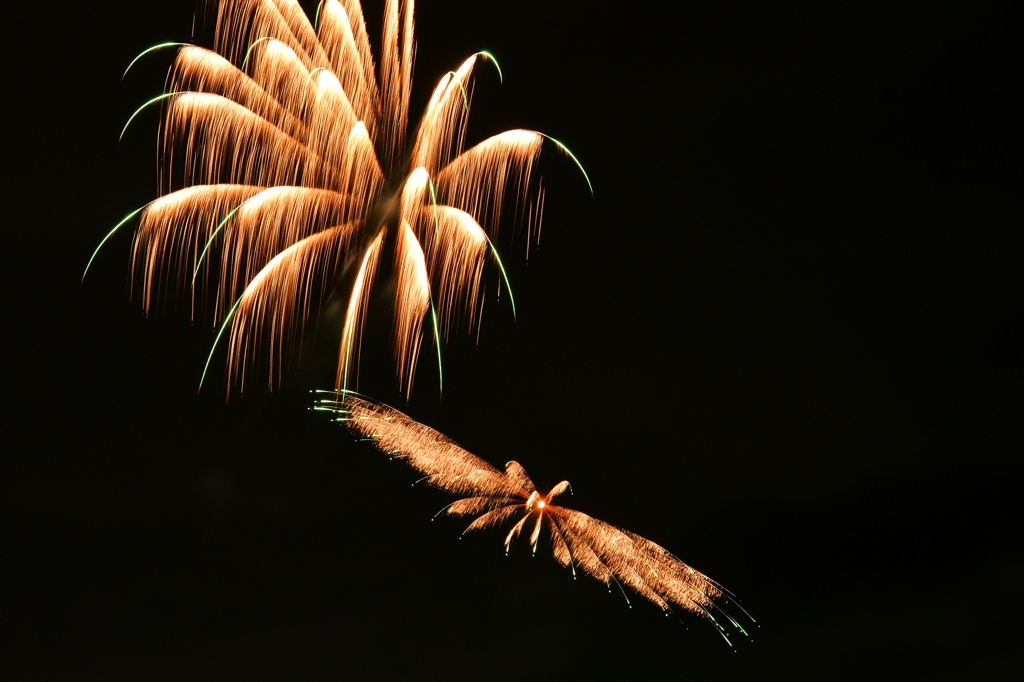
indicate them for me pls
(285, 138)
(493, 497)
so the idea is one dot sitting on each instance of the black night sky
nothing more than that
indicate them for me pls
(784, 339)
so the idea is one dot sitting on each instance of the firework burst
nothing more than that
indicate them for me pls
(580, 542)
(293, 188)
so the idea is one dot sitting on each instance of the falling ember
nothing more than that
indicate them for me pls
(580, 542)
(292, 182)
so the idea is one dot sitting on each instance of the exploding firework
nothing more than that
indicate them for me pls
(293, 189)
(578, 541)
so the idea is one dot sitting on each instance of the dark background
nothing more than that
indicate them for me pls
(784, 339)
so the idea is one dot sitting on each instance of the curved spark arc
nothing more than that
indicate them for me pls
(493, 497)
(322, 135)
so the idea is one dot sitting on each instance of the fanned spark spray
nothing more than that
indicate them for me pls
(292, 186)
(578, 541)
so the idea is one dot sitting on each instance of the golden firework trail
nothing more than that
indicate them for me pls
(586, 545)
(292, 184)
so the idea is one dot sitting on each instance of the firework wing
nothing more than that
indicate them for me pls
(441, 460)
(606, 552)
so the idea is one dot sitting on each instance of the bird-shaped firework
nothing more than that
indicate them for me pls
(494, 497)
